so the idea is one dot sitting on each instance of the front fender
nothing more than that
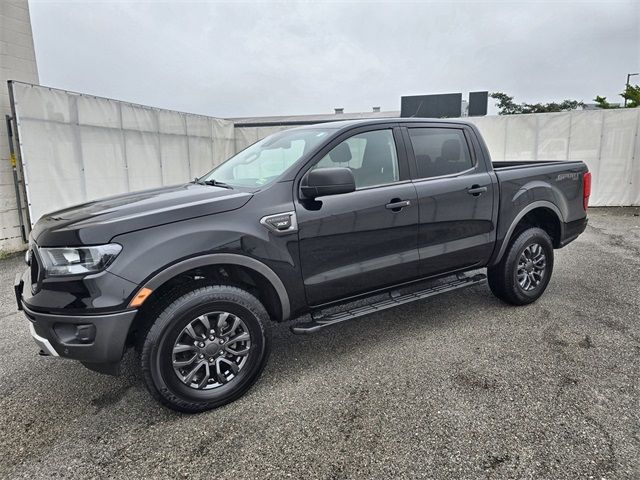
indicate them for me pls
(151, 256)
(224, 259)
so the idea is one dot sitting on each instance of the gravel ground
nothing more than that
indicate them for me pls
(458, 386)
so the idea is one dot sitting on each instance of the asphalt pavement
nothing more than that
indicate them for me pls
(456, 386)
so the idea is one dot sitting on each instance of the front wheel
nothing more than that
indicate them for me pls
(206, 349)
(523, 273)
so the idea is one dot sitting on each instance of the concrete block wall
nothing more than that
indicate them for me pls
(17, 62)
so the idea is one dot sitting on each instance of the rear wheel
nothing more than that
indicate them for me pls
(523, 273)
(206, 348)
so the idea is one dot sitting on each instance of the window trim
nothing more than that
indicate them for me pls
(382, 185)
(412, 156)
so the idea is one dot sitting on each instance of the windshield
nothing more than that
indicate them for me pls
(264, 161)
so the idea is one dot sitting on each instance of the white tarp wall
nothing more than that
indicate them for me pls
(75, 148)
(246, 136)
(608, 141)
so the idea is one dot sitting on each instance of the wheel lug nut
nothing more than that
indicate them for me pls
(211, 360)
(212, 337)
(201, 356)
(201, 345)
(221, 341)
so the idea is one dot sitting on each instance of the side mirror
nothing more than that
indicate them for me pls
(328, 181)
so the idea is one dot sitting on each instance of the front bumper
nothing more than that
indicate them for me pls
(45, 345)
(91, 339)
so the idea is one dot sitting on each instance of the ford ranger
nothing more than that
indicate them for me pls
(301, 224)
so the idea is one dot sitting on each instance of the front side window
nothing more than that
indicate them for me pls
(371, 156)
(264, 161)
(440, 151)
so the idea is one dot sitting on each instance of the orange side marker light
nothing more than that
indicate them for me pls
(140, 297)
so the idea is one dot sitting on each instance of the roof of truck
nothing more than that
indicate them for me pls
(382, 121)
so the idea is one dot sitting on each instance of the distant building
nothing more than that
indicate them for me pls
(427, 106)
(444, 105)
(294, 120)
(17, 62)
(595, 106)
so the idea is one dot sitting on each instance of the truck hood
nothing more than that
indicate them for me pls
(99, 221)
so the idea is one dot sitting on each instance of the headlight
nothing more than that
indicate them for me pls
(77, 261)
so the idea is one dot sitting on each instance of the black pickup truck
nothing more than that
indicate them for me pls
(301, 224)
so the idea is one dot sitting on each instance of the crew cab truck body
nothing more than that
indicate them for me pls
(305, 219)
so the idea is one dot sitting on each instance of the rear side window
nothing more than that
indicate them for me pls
(440, 151)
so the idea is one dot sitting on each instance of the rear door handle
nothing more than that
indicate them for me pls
(476, 190)
(396, 205)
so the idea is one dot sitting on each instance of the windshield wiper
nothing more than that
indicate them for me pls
(215, 183)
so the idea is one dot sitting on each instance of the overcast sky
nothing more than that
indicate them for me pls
(245, 59)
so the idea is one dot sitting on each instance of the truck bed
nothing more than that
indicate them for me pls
(555, 185)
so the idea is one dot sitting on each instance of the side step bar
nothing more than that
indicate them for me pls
(321, 321)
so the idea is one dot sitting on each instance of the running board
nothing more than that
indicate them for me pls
(320, 321)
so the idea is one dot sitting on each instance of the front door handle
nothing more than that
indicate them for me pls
(476, 190)
(396, 204)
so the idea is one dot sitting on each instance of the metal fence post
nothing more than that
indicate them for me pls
(14, 168)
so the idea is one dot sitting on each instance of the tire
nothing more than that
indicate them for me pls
(507, 279)
(179, 333)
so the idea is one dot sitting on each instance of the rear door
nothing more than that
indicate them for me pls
(367, 239)
(455, 197)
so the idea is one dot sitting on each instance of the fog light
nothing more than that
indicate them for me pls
(71, 334)
(86, 333)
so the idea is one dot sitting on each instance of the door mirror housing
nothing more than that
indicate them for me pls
(328, 181)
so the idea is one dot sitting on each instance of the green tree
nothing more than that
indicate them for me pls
(631, 94)
(602, 102)
(506, 105)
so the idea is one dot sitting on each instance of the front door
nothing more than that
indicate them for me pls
(456, 199)
(363, 240)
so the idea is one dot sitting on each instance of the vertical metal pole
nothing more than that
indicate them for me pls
(12, 159)
(629, 75)
(18, 151)
(625, 90)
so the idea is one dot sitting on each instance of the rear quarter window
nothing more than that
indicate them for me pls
(440, 151)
